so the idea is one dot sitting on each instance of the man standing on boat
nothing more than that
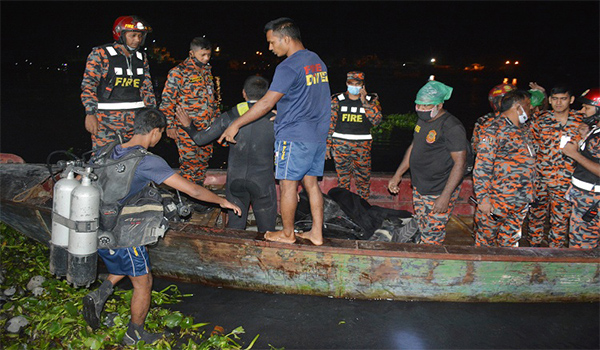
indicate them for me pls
(300, 88)
(250, 178)
(191, 86)
(133, 262)
(353, 114)
(584, 192)
(494, 97)
(437, 161)
(117, 82)
(504, 174)
(550, 130)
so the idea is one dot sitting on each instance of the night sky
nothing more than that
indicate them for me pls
(556, 34)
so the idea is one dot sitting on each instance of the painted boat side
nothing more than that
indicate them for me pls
(340, 268)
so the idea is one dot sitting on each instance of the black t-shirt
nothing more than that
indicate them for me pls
(430, 160)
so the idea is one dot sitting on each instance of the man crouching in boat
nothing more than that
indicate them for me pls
(149, 125)
(437, 160)
(504, 174)
(584, 192)
(250, 177)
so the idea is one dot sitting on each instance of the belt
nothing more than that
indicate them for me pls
(121, 105)
(585, 185)
(354, 137)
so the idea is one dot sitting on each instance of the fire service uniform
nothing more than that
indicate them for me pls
(191, 86)
(505, 174)
(554, 171)
(350, 139)
(114, 86)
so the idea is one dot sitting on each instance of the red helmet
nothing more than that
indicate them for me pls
(129, 24)
(496, 93)
(590, 97)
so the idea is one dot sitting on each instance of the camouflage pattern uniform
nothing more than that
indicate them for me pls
(480, 125)
(585, 234)
(112, 80)
(505, 174)
(350, 139)
(554, 171)
(191, 85)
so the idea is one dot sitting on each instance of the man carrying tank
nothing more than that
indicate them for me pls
(250, 178)
(116, 82)
(554, 170)
(300, 88)
(436, 159)
(353, 114)
(584, 193)
(504, 174)
(190, 85)
(133, 262)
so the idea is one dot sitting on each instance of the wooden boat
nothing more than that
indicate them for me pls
(358, 269)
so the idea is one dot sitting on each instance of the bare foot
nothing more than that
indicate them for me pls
(279, 236)
(316, 239)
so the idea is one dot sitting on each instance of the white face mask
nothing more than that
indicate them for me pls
(522, 116)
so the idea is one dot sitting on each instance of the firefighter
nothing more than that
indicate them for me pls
(117, 82)
(584, 193)
(504, 174)
(554, 170)
(353, 114)
(190, 85)
(494, 97)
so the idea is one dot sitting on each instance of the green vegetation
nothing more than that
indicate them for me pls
(390, 122)
(56, 321)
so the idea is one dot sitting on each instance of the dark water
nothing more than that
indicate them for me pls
(305, 322)
(41, 112)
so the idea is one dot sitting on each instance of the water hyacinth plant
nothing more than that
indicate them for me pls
(384, 130)
(54, 314)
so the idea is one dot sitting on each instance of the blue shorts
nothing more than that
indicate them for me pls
(126, 261)
(294, 160)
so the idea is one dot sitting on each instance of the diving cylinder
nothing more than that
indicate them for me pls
(83, 241)
(61, 205)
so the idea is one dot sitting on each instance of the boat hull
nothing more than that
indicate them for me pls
(339, 268)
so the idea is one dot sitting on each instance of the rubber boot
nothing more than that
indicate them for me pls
(136, 333)
(93, 303)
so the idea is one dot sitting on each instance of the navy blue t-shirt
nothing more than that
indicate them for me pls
(150, 168)
(304, 112)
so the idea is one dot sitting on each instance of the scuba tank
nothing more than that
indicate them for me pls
(61, 209)
(83, 239)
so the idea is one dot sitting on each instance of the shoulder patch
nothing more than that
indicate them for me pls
(242, 108)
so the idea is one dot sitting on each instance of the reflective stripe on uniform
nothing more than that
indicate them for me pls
(120, 105)
(352, 136)
(585, 185)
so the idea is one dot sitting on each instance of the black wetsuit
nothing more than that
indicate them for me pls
(250, 178)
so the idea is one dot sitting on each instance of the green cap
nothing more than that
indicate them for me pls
(433, 93)
(537, 97)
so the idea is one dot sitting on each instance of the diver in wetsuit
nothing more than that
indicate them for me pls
(250, 178)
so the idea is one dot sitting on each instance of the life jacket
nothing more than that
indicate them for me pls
(120, 90)
(352, 123)
(583, 178)
(126, 222)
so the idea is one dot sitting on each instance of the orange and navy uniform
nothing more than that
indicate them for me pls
(190, 85)
(554, 171)
(115, 84)
(504, 174)
(583, 194)
(350, 139)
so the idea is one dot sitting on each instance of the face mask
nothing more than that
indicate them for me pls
(427, 115)
(354, 90)
(522, 116)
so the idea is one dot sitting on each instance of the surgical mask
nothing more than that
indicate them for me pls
(354, 90)
(427, 115)
(522, 116)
